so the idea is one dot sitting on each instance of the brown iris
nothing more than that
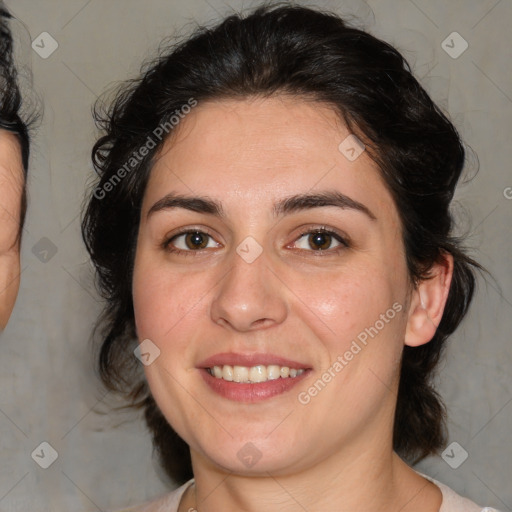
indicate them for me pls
(320, 240)
(196, 240)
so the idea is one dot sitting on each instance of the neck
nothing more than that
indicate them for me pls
(376, 480)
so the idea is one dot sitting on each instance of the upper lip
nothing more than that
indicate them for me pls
(249, 360)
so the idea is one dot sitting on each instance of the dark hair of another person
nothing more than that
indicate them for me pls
(11, 101)
(306, 54)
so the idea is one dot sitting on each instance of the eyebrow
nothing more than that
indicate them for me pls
(284, 206)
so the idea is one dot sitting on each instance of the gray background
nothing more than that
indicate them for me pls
(48, 388)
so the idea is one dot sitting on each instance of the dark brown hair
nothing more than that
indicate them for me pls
(307, 54)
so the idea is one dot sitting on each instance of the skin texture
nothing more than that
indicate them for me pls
(11, 188)
(335, 453)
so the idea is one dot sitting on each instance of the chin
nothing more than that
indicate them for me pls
(254, 455)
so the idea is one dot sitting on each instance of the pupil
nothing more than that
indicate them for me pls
(321, 240)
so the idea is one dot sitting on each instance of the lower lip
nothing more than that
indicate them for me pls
(250, 393)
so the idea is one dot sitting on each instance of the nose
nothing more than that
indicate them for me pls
(250, 296)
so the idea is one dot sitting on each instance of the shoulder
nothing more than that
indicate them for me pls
(453, 502)
(167, 503)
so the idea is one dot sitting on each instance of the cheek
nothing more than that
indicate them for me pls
(350, 300)
(359, 318)
(165, 301)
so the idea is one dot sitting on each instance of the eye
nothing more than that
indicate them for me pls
(190, 241)
(317, 240)
(320, 240)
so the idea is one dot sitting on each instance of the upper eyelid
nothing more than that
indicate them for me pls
(340, 237)
(169, 239)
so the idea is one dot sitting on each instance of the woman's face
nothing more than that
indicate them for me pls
(259, 286)
(11, 188)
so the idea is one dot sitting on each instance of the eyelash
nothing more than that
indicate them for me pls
(342, 239)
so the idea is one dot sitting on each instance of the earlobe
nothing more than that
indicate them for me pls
(427, 303)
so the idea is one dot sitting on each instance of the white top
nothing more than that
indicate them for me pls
(452, 502)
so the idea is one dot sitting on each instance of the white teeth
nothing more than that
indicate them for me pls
(227, 372)
(273, 372)
(240, 374)
(259, 373)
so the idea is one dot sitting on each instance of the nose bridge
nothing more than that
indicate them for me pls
(247, 296)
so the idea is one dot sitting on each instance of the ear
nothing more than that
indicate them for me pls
(427, 303)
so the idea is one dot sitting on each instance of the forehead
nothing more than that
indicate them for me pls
(260, 149)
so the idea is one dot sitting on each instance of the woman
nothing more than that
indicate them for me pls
(14, 153)
(272, 225)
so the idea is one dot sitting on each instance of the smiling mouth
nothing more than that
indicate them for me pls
(254, 374)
